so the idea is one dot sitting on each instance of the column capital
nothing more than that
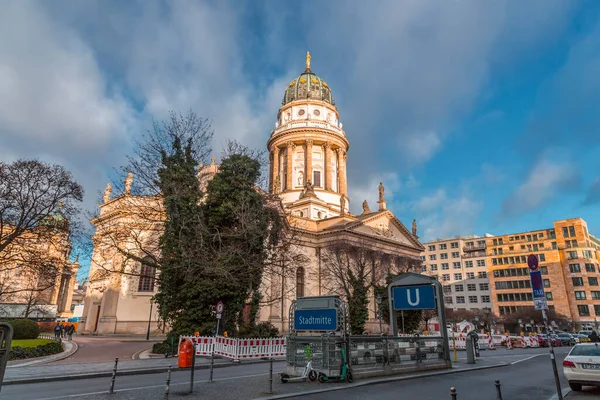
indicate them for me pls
(309, 142)
(327, 145)
(274, 149)
(290, 144)
(340, 152)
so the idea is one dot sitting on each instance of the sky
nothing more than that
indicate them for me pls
(478, 117)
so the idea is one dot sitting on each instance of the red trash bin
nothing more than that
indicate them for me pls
(186, 354)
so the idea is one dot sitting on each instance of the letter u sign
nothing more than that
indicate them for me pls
(408, 298)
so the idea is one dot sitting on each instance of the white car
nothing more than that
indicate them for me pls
(582, 366)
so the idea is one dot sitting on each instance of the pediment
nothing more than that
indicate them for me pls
(387, 226)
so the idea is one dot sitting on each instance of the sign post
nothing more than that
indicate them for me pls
(219, 310)
(540, 303)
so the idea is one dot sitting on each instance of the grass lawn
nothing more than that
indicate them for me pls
(30, 342)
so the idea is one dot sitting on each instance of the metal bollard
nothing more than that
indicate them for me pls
(498, 391)
(453, 393)
(192, 372)
(168, 387)
(271, 375)
(114, 375)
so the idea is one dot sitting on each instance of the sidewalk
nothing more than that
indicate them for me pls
(48, 373)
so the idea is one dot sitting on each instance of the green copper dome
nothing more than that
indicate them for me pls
(308, 86)
(56, 219)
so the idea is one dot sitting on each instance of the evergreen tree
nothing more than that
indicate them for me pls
(181, 242)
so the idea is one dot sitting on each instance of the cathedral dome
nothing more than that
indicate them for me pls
(308, 86)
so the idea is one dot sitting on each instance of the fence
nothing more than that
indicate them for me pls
(238, 349)
(367, 355)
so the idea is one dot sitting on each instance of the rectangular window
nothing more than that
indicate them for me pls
(456, 265)
(431, 247)
(584, 310)
(574, 268)
(485, 299)
(554, 246)
(572, 231)
(593, 281)
(572, 255)
(434, 267)
(446, 277)
(542, 257)
(458, 277)
(423, 258)
(565, 231)
(455, 254)
(597, 309)
(595, 295)
(444, 256)
(317, 178)
(546, 283)
(590, 267)
(472, 299)
(544, 270)
(548, 295)
(432, 257)
(483, 275)
(146, 282)
(460, 299)
(447, 289)
(484, 286)
(471, 287)
(468, 264)
(444, 265)
(587, 254)
(481, 263)
(470, 275)
(448, 300)
(454, 245)
(577, 281)
(579, 295)
(443, 246)
(459, 288)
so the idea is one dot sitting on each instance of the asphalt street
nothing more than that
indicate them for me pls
(530, 377)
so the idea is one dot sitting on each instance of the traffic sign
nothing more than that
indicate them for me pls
(315, 320)
(219, 309)
(420, 297)
(532, 261)
(537, 286)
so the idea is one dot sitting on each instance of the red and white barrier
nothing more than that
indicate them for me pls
(238, 349)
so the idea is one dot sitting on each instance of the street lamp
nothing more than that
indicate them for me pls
(379, 312)
(476, 319)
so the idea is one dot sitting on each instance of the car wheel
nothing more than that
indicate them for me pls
(576, 387)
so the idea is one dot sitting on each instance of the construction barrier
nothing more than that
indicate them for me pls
(238, 349)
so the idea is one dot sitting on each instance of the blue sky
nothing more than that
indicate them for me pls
(479, 117)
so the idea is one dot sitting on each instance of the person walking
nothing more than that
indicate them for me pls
(57, 331)
(594, 338)
(62, 330)
(70, 329)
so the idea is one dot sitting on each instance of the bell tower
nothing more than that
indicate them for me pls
(307, 150)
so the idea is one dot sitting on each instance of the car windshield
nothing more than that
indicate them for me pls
(590, 350)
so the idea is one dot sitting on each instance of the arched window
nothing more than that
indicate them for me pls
(300, 282)
(147, 275)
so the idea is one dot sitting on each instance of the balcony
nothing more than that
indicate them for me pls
(473, 255)
(474, 248)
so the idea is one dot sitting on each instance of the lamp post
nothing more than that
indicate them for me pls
(149, 320)
(379, 312)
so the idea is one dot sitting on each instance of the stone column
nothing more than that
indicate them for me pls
(275, 170)
(327, 164)
(342, 171)
(308, 163)
(290, 156)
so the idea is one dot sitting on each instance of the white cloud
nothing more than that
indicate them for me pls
(545, 180)
(418, 149)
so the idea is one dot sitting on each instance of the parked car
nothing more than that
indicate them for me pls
(543, 340)
(566, 339)
(582, 338)
(586, 333)
(556, 341)
(582, 366)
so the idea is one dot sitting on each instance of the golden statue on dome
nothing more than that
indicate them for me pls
(308, 60)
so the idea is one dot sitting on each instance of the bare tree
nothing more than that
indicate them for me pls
(37, 218)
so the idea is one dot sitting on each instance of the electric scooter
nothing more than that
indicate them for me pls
(307, 373)
(345, 373)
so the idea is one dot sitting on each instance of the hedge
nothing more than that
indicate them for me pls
(19, 353)
(24, 329)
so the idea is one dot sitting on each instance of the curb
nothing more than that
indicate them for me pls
(126, 372)
(382, 380)
(50, 358)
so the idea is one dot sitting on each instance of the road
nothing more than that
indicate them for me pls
(530, 377)
(96, 349)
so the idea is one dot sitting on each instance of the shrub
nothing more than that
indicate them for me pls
(165, 346)
(19, 353)
(25, 329)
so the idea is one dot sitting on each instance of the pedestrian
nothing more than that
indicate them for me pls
(57, 331)
(594, 338)
(62, 330)
(70, 329)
